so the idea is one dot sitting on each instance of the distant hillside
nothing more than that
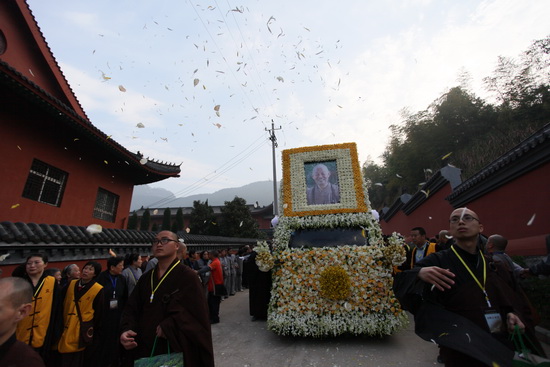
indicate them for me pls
(261, 191)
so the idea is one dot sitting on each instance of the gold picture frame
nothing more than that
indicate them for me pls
(335, 167)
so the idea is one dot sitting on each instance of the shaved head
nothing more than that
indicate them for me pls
(17, 290)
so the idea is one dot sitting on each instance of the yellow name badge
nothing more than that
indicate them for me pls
(494, 321)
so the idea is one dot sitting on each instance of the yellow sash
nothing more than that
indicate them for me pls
(71, 334)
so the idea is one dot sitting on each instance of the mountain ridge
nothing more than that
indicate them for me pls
(148, 197)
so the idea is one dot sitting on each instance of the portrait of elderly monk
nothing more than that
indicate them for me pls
(323, 191)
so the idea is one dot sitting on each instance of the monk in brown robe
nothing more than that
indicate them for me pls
(168, 302)
(463, 301)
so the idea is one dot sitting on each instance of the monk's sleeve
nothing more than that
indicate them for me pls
(187, 325)
(408, 288)
(130, 314)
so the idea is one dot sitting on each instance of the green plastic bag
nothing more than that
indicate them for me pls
(524, 356)
(162, 360)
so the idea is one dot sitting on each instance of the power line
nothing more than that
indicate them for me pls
(230, 164)
(223, 57)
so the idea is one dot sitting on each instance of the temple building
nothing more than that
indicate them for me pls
(58, 168)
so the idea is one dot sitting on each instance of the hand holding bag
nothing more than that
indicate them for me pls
(170, 359)
(524, 357)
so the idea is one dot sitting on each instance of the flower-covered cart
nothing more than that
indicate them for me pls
(331, 267)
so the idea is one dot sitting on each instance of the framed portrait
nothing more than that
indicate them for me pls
(322, 180)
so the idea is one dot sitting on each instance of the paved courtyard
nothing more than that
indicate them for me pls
(240, 342)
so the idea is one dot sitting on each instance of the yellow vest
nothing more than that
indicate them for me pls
(69, 342)
(429, 250)
(32, 329)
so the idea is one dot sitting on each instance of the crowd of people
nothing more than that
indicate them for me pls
(459, 282)
(110, 318)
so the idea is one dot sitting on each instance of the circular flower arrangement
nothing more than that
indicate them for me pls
(335, 284)
(264, 259)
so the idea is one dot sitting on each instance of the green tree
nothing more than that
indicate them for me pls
(145, 221)
(155, 227)
(166, 220)
(133, 221)
(177, 225)
(237, 220)
(202, 220)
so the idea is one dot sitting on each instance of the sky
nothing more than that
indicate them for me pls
(200, 82)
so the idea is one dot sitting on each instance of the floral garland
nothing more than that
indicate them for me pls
(309, 296)
(296, 308)
(264, 259)
(349, 175)
(394, 252)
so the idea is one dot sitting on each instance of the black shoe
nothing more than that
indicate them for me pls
(440, 359)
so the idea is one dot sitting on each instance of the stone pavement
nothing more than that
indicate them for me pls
(240, 342)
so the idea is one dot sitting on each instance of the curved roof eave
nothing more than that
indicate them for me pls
(151, 171)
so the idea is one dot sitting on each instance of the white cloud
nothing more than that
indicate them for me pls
(386, 56)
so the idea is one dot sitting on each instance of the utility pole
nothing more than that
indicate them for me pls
(274, 145)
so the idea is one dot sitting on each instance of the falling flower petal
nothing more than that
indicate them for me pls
(121, 88)
(446, 156)
(241, 224)
(398, 175)
(448, 236)
(15, 206)
(155, 212)
(112, 253)
(531, 220)
(187, 229)
(280, 78)
(105, 162)
(195, 82)
(105, 77)
(94, 229)
(269, 22)
(218, 125)
(378, 184)
(140, 125)
(3, 257)
(425, 192)
(76, 139)
(143, 160)
(285, 206)
(18, 147)
(217, 107)
(428, 170)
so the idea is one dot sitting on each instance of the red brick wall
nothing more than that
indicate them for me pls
(35, 136)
